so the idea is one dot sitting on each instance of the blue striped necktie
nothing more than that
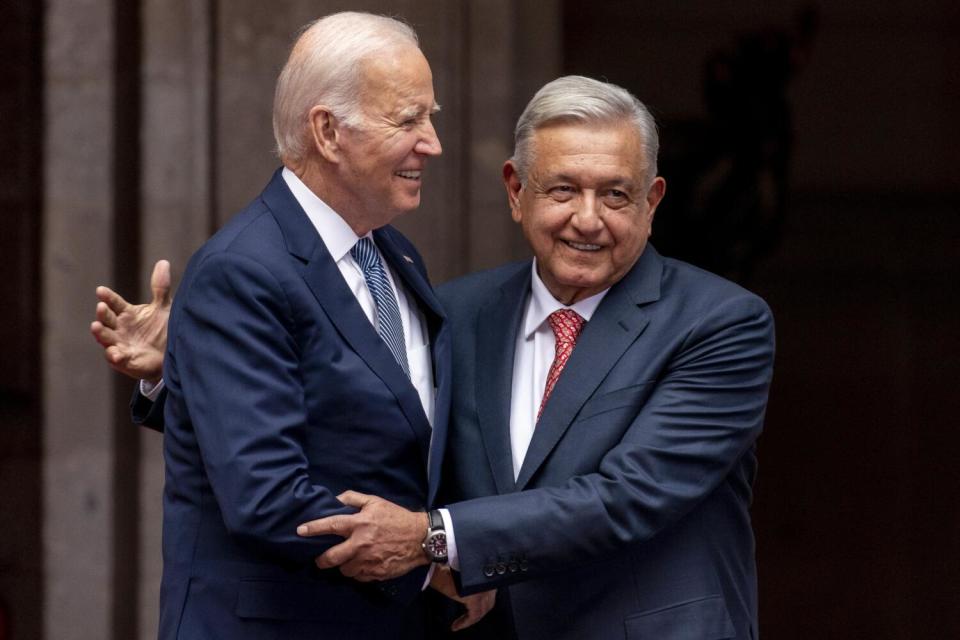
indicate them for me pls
(389, 325)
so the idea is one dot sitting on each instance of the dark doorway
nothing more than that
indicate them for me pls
(21, 141)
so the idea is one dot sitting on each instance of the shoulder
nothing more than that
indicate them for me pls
(703, 293)
(249, 247)
(460, 295)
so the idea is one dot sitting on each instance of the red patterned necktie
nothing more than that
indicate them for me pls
(567, 325)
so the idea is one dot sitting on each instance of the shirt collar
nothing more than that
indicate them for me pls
(336, 234)
(542, 304)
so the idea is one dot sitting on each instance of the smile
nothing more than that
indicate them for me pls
(582, 246)
(408, 175)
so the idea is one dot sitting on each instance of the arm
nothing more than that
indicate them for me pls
(701, 418)
(134, 338)
(235, 381)
(148, 412)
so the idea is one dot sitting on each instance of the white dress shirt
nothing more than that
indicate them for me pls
(533, 355)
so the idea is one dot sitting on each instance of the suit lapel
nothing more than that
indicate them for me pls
(497, 327)
(616, 324)
(324, 279)
(404, 265)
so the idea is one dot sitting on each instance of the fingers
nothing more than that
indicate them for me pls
(160, 283)
(117, 358)
(106, 315)
(112, 299)
(105, 336)
(336, 556)
(462, 622)
(477, 607)
(336, 525)
(355, 499)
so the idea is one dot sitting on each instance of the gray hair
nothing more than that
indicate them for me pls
(324, 67)
(579, 99)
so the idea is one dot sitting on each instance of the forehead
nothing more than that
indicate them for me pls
(396, 80)
(600, 150)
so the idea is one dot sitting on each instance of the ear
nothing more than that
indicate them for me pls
(325, 132)
(511, 180)
(655, 194)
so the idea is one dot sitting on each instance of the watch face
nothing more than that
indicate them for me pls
(436, 545)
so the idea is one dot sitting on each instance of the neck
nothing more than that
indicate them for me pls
(323, 186)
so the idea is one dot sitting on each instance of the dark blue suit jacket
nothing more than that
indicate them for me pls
(280, 396)
(630, 515)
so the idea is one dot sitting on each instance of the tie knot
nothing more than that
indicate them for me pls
(365, 253)
(566, 324)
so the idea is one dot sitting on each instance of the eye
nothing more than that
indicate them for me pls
(615, 198)
(562, 192)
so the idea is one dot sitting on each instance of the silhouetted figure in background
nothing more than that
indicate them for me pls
(729, 174)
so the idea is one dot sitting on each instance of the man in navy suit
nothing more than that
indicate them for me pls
(308, 355)
(606, 402)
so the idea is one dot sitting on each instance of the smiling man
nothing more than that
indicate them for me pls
(606, 402)
(307, 354)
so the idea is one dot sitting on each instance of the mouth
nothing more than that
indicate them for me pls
(582, 246)
(409, 175)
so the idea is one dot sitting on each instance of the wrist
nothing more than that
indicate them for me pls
(434, 543)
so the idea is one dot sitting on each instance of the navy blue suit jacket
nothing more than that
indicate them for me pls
(280, 396)
(629, 518)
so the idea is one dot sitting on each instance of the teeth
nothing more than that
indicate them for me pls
(410, 175)
(583, 247)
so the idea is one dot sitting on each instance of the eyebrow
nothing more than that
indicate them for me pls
(414, 111)
(621, 183)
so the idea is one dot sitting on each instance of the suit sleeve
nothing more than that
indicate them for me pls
(145, 413)
(703, 415)
(236, 363)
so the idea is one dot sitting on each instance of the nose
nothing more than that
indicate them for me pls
(429, 143)
(586, 216)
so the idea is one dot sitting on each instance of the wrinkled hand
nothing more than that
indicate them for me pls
(134, 336)
(478, 605)
(382, 540)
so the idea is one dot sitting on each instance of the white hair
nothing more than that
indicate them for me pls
(583, 100)
(324, 67)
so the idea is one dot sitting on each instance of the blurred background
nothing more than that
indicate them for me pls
(810, 151)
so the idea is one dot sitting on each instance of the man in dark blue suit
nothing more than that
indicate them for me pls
(606, 402)
(308, 355)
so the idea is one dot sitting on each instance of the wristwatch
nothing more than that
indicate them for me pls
(435, 542)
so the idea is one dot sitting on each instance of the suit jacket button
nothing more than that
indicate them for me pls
(514, 566)
(501, 568)
(392, 590)
(488, 570)
(523, 565)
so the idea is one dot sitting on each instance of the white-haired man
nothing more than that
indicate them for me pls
(308, 355)
(606, 403)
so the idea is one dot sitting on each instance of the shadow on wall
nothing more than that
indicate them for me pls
(728, 173)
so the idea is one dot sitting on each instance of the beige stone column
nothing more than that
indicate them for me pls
(177, 212)
(78, 408)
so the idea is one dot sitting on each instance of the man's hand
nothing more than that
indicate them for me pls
(477, 605)
(382, 540)
(134, 336)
